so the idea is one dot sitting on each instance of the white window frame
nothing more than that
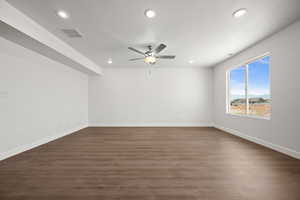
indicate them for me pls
(245, 64)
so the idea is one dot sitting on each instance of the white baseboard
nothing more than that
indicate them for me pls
(152, 125)
(45, 140)
(275, 147)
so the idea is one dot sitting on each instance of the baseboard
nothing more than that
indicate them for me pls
(152, 125)
(45, 140)
(272, 146)
(275, 147)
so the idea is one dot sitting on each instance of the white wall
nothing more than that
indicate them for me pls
(39, 99)
(169, 97)
(282, 131)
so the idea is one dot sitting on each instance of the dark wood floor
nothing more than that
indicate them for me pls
(150, 164)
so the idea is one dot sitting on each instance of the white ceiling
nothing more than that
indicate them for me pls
(199, 30)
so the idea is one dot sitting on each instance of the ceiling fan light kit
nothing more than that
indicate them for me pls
(150, 60)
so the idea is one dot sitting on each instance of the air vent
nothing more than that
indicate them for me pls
(72, 33)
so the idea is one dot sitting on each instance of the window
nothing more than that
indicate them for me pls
(249, 89)
(237, 90)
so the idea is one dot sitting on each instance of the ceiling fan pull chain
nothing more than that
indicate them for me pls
(149, 72)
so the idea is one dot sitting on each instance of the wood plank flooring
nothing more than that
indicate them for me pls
(150, 164)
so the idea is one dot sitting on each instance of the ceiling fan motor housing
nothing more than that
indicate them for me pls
(150, 52)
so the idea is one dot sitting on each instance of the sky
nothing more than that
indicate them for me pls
(258, 80)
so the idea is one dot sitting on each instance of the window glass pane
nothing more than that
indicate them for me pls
(237, 96)
(259, 88)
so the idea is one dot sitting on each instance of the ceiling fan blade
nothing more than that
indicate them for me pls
(165, 57)
(160, 48)
(133, 59)
(135, 50)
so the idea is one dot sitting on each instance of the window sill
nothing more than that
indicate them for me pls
(249, 116)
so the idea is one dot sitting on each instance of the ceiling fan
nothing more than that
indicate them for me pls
(151, 56)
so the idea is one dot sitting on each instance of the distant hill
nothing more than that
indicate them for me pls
(258, 100)
(264, 96)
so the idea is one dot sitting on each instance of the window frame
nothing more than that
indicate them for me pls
(245, 64)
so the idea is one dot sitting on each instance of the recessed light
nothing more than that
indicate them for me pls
(191, 61)
(109, 61)
(239, 13)
(63, 14)
(150, 13)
